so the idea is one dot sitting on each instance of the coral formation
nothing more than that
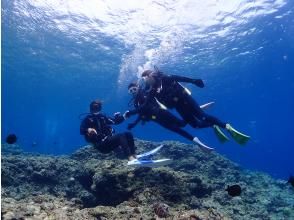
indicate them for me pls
(90, 185)
(161, 209)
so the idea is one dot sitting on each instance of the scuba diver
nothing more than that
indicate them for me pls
(168, 91)
(149, 108)
(96, 128)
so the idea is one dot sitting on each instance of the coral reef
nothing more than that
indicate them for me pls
(90, 185)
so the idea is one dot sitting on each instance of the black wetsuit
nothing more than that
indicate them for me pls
(172, 94)
(148, 109)
(105, 140)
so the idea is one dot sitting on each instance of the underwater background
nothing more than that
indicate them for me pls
(57, 56)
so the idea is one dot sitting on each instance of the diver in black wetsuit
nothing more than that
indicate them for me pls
(96, 127)
(168, 90)
(173, 95)
(150, 109)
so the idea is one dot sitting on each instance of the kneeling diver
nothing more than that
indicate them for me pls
(96, 127)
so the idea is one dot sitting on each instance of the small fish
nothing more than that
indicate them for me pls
(11, 139)
(34, 144)
(291, 180)
(234, 190)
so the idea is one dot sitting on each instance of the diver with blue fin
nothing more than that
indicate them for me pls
(148, 108)
(168, 91)
(97, 130)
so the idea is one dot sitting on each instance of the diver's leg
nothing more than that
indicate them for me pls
(166, 117)
(209, 120)
(121, 139)
(127, 143)
(197, 118)
(206, 119)
(131, 142)
(169, 121)
(187, 116)
(109, 144)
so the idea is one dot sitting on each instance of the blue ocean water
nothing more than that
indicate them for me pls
(57, 56)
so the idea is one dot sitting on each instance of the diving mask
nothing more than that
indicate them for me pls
(133, 90)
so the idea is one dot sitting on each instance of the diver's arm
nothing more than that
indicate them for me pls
(84, 126)
(197, 82)
(139, 108)
(89, 133)
(130, 113)
(135, 111)
(133, 124)
(117, 119)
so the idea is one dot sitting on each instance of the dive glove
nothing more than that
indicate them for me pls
(198, 82)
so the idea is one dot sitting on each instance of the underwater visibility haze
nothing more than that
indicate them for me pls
(58, 56)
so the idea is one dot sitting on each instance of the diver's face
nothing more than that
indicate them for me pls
(149, 80)
(96, 109)
(133, 90)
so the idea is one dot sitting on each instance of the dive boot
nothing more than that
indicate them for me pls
(220, 135)
(237, 136)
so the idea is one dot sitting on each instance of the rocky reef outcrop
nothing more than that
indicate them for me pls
(90, 185)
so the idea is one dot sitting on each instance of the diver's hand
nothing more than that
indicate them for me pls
(118, 118)
(91, 131)
(127, 114)
(117, 114)
(198, 82)
(131, 126)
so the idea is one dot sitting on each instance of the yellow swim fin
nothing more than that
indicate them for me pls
(239, 137)
(220, 135)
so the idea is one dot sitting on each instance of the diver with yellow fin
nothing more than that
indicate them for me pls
(168, 91)
(148, 108)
